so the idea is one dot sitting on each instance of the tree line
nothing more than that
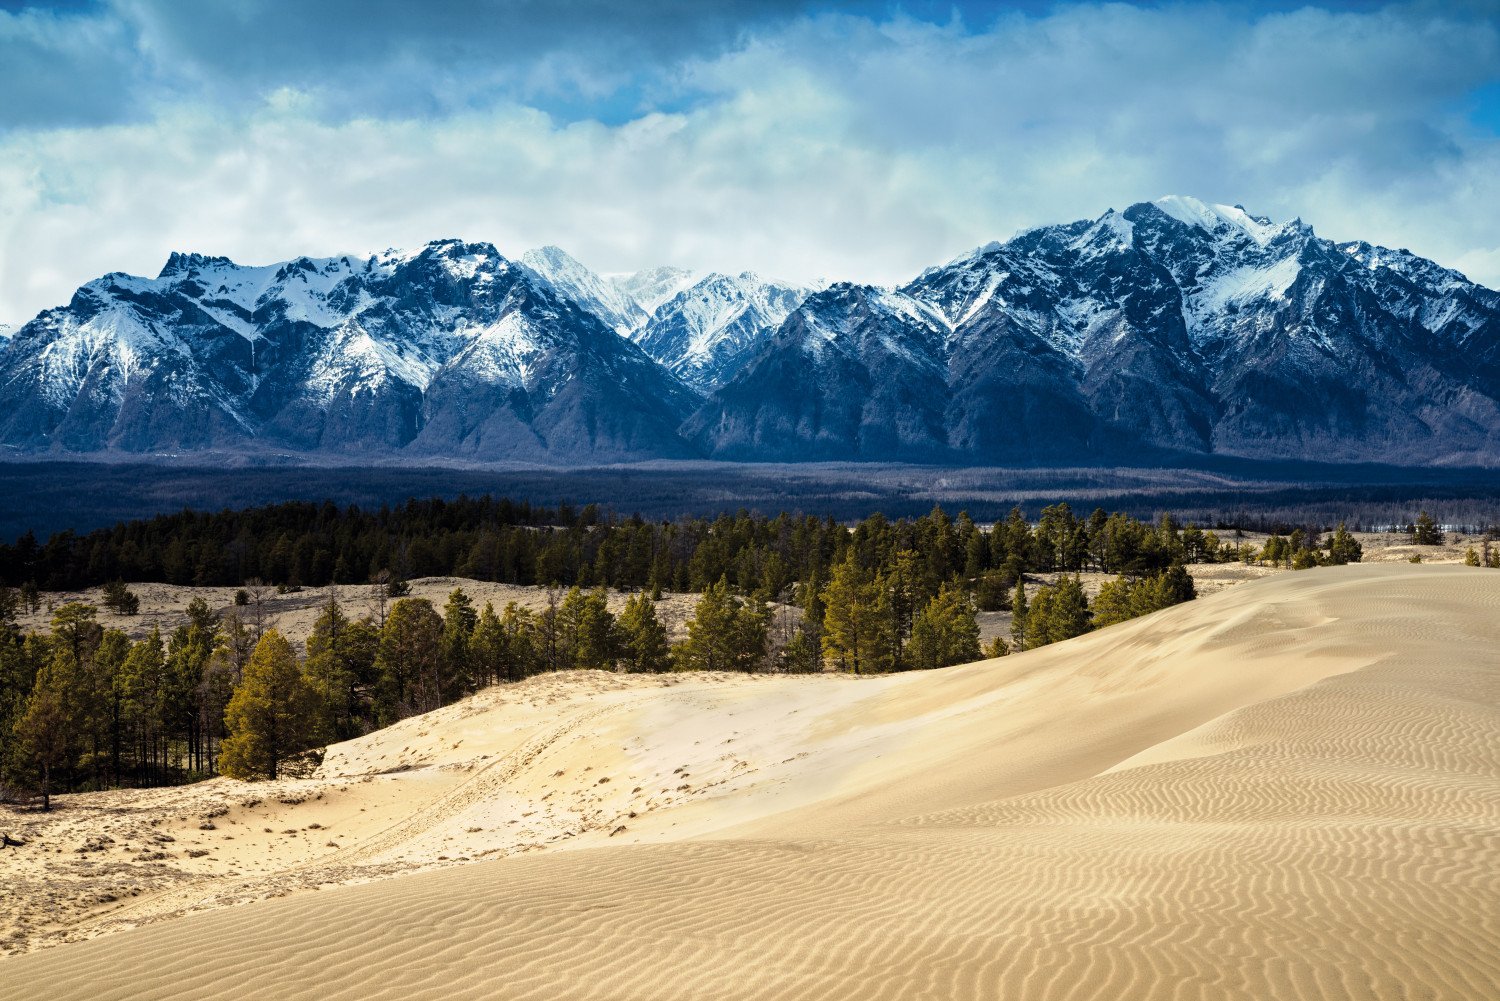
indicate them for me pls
(82, 706)
(301, 544)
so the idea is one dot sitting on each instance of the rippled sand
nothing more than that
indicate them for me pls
(1290, 789)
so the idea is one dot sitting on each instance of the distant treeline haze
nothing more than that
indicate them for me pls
(84, 707)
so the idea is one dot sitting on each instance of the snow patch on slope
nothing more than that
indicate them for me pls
(653, 287)
(1248, 283)
(575, 281)
(1216, 218)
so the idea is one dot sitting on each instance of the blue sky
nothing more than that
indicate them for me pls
(861, 140)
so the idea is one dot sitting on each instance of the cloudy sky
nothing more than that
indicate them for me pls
(863, 141)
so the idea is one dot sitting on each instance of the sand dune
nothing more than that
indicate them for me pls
(1286, 790)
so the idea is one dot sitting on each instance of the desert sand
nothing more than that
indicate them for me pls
(1286, 789)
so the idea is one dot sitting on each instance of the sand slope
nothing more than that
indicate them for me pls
(1287, 790)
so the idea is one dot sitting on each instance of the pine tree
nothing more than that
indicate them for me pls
(643, 638)
(1059, 612)
(752, 620)
(724, 634)
(188, 654)
(520, 625)
(408, 661)
(710, 632)
(41, 736)
(340, 668)
(489, 648)
(1343, 547)
(120, 599)
(802, 653)
(109, 665)
(142, 680)
(586, 630)
(1019, 613)
(945, 631)
(854, 622)
(1113, 603)
(271, 714)
(459, 620)
(1471, 558)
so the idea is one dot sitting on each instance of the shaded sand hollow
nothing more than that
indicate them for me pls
(1290, 789)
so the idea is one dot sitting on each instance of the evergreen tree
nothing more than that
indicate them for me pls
(992, 592)
(41, 736)
(548, 635)
(187, 658)
(459, 620)
(996, 647)
(340, 668)
(120, 599)
(803, 653)
(586, 630)
(271, 714)
(853, 624)
(1058, 613)
(522, 656)
(142, 680)
(109, 661)
(1114, 603)
(1019, 612)
(643, 638)
(724, 634)
(489, 648)
(408, 661)
(1343, 547)
(945, 631)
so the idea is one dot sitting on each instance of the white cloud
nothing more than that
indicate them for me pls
(830, 147)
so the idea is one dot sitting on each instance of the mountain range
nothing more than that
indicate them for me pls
(1172, 328)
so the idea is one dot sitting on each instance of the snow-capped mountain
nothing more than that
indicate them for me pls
(1173, 327)
(1181, 326)
(1201, 327)
(706, 332)
(450, 350)
(855, 371)
(606, 300)
(701, 328)
(653, 286)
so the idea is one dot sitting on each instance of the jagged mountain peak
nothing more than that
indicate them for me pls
(1219, 219)
(1173, 325)
(652, 287)
(179, 262)
(575, 281)
(447, 348)
(705, 332)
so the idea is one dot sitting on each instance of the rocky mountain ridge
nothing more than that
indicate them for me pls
(1170, 328)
